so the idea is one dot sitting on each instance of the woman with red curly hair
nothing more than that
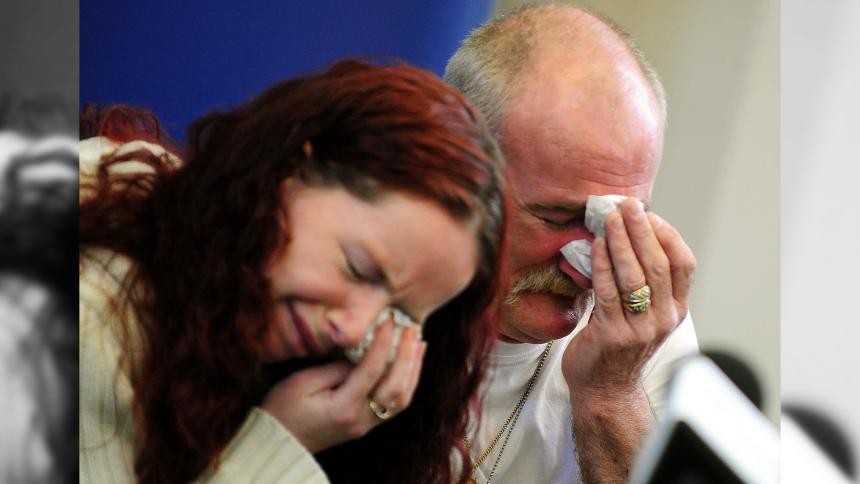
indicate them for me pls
(353, 213)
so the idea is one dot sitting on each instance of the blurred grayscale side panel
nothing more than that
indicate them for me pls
(820, 225)
(38, 240)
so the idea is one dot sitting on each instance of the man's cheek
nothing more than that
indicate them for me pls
(548, 243)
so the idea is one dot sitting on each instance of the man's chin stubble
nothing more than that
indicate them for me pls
(526, 326)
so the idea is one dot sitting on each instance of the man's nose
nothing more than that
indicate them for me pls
(577, 277)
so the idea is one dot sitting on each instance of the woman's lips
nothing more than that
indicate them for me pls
(294, 343)
(304, 330)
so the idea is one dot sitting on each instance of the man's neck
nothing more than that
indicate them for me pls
(509, 335)
(505, 338)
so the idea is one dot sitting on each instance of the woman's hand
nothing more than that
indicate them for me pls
(329, 404)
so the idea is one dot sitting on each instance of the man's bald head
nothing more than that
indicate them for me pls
(500, 56)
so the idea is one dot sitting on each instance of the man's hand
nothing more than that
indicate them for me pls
(327, 405)
(604, 365)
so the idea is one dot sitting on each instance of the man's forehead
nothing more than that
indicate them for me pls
(561, 156)
(582, 119)
(554, 169)
(547, 193)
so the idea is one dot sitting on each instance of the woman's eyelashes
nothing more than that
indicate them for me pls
(354, 272)
(362, 268)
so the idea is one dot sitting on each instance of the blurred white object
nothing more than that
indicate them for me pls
(597, 209)
(26, 371)
(732, 433)
(820, 230)
(802, 460)
(401, 322)
(51, 151)
(578, 253)
(11, 145)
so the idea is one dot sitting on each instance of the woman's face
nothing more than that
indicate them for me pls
(348, 259)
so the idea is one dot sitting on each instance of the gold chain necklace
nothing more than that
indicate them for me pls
(511, 421)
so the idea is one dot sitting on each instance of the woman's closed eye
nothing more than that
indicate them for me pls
(362, 268)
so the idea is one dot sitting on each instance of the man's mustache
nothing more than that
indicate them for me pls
(548, 280)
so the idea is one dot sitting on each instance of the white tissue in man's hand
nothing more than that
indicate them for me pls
(597, 209)
(578, 253)
(401, 321)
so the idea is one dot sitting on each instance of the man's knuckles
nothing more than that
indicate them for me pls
(630, 282)
(657, 267)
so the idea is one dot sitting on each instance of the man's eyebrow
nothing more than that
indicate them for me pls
(573, 209)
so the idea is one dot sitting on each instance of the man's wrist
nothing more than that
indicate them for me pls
(611, 401)
(608, 427)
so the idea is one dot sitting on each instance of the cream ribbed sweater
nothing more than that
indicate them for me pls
(262, 451)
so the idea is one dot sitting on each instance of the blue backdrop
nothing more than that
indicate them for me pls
(183, 58)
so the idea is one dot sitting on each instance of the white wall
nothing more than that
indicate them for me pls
(821, 209)
(719, 182)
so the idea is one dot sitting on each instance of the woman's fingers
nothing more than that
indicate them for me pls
(416, 368)
(367, 373)
(394, 391)
(323, 377)
(331, 403)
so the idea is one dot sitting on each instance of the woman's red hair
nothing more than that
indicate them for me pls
(200, 234)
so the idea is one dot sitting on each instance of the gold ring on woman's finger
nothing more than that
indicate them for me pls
(381, 412)
(638, 301)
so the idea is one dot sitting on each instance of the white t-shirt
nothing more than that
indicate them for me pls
(540, 448)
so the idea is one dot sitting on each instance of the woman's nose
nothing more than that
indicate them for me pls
(349, 324)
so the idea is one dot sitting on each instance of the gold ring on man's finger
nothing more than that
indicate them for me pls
(381, 412)
(638, 301)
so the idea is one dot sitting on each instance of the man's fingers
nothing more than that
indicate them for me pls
(628, 271)
(650, 254)
(682, 262)
(606, 298)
